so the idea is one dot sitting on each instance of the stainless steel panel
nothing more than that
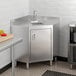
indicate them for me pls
(41, 44)
(20, 31)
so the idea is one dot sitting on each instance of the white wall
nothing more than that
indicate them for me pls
(10, 9)
(65, 9)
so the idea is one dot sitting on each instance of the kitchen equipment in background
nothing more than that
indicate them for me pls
(10, 44)
(73, 34)
(72, 44)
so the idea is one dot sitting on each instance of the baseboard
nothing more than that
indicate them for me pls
(60, 58)
(5, 68)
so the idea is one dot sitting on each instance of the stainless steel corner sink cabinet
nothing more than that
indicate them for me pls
(38, 40)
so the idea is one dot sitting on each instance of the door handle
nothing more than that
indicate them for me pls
(33, 36)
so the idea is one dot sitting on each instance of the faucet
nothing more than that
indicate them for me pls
(34, 15)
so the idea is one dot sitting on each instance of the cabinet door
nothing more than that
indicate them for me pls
(41, 48)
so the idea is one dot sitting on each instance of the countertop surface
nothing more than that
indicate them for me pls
(6, 44)
(42, 19)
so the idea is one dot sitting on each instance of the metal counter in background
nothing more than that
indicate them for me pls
(10, 44)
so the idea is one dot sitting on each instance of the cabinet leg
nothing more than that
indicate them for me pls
(50, 63)
(27, 65)
(55, 59)
(15, 63)
(71, 66)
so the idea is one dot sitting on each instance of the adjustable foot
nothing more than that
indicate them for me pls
(50, 63)
(71, 66)
(27, 65)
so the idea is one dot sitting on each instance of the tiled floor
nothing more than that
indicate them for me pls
(37, 69)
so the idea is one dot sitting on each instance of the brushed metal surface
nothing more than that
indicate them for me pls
(41, 44)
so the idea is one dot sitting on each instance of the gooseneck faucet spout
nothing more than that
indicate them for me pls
(34, 15)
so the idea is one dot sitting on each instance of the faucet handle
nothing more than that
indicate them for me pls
(35, 13)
